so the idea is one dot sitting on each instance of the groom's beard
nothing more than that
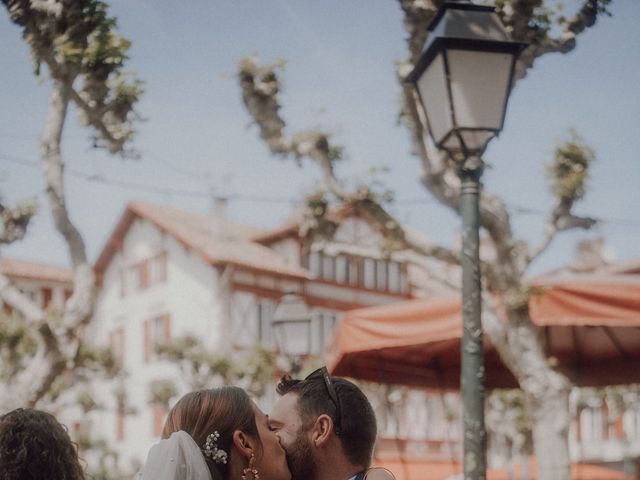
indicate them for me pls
(300, 458)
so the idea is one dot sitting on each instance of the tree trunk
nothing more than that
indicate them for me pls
(551, 432)
(547, 390)
(57, 346)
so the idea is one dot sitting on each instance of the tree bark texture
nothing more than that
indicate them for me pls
(57, 343)
(511, 331)
(471, 350)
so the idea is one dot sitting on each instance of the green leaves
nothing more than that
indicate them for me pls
(162, 391)
(79, 40)
(569, 170)
(253, 369)
(15, 220)
(16, 344)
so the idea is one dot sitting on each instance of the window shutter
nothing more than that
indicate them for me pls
(167, 328)
(144, 274)
(123, 282)
(122, 344)
(159, 413)
(618, 428)
(163, 266)
(119, 426)
(46, 296)
(147, 341)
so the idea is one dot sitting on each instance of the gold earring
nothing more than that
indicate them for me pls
(250, 470)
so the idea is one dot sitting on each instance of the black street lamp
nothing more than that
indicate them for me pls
(291, 324)
(463, 79)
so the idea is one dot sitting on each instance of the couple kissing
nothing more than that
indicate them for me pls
(321, 428)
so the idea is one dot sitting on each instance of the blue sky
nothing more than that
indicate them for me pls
(340, 76)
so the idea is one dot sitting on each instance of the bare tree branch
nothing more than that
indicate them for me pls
(260, 86)
(114, 141)
(75, 40)
(14, 221)
(33, 314)
(561, 219)
(522, 17)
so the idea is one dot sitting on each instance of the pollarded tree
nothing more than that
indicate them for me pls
(545, 31)
(200, 367)
(83, 56)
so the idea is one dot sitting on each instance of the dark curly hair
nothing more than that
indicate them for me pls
(34, 445)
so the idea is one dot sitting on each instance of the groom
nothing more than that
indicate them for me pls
(326, 425)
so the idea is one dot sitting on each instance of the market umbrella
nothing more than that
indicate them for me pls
(441, 470)
(589, 326)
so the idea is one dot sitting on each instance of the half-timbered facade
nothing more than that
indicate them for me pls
(48, 286)
(165, 273)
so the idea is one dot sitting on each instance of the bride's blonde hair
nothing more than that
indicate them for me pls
(203, 412)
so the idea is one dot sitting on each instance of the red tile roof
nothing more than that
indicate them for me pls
(194, 230)
(23, 269)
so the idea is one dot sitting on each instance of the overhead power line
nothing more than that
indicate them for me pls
(167, 191)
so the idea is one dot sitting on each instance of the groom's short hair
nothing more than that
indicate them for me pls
(357, 420)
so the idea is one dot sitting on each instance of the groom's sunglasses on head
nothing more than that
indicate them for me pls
(324, 374)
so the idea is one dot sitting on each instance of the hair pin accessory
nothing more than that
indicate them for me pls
(211, 449)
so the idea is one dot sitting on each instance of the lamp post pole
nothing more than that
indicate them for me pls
(471, 351)
(463, 79)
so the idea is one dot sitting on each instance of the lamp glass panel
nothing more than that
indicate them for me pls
(476, 140)
(293, 338)
(452, 143)
(479, 83)
(432, 86)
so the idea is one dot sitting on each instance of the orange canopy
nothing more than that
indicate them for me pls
(440, 470)
(589, 325)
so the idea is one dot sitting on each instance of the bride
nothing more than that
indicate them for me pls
(217, 434)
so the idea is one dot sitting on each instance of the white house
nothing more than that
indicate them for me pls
(46, 285)
(165, 273)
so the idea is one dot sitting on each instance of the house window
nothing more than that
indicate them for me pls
(133, 278)
(158, 268)
(157, 331)
(315, 264)
(394, 277)
(369, 273)
(144, 274)
(328, 267)
(116, 343)
(265, 316)
(341, 266)
(33, 295)
(322, 324)
(381, 274)
(353, 269)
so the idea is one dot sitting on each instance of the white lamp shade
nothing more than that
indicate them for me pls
(292, 326)
(432, 86)
(293, 338)
(468, 112)
(464, 76)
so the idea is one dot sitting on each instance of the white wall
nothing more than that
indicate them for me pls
(188, 296)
